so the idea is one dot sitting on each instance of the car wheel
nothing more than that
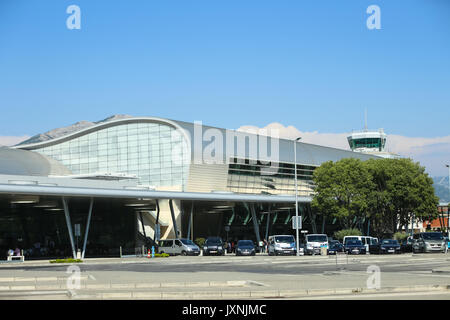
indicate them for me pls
(183, 253)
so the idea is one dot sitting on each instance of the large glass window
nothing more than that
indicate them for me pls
(155, 152)
(247, 177)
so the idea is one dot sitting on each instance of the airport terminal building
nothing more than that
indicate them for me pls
(130, 181)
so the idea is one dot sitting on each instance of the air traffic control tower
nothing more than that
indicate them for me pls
(370, 142)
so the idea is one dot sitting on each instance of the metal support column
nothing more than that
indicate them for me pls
(87, 228)
(268, 222)
(173, 218)
(255, 223)
(69, 226)
(190, 222)
(157, 228)
(142, 223)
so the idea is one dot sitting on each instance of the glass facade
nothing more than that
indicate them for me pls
(155, 152)
(245, 176)
(368, 143)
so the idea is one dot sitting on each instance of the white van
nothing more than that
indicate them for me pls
(316, 241)
(178, 246)
(282, 244)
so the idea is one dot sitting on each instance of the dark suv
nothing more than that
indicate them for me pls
(213, 245)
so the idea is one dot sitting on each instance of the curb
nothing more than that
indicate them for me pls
(228, 295)
(101, 286)
(268, 294)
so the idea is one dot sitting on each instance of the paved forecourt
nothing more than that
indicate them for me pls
(225, 277)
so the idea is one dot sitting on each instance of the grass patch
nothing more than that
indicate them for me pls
(68, 260)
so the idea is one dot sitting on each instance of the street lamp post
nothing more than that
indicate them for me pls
(448, 206)
(296, 197)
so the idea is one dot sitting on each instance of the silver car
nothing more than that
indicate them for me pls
(428, 242)
(183, 247)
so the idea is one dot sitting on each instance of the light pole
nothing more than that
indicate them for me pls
(296, 196)
(448, 206)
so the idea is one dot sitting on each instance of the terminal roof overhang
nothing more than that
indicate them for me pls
(29, 185)
(147, 194)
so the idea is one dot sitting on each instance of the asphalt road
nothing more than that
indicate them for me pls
(260, 273)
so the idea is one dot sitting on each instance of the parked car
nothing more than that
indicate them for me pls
(282, 244)
(406, 245)
(354, 246)
(428, 242)
(314, 242)
(213, 245)
(178, 246)
(334, 246)
(245, 248)
(374, 245)
(389, 246)
(365, 240)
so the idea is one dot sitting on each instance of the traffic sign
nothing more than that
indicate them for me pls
(297, 225)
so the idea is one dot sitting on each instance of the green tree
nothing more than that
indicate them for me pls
(346, 232)
(402, 190)
(389, 192)
(342, 190)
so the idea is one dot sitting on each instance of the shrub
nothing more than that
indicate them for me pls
(161, 255)
(400, 236)
(67, 260)
(346, 232)
(200, 242)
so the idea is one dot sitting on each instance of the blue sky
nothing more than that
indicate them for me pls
(310, 64)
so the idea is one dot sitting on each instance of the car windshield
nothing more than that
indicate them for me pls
(245, 243)
(389, 241)
(284, 239)
(317, 238)
(373, 241)
(353, 242)
(187, 242)
(213, 241)
(432, 236)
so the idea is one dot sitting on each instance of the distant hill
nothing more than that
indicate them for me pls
(60, 132)
(441, 188)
